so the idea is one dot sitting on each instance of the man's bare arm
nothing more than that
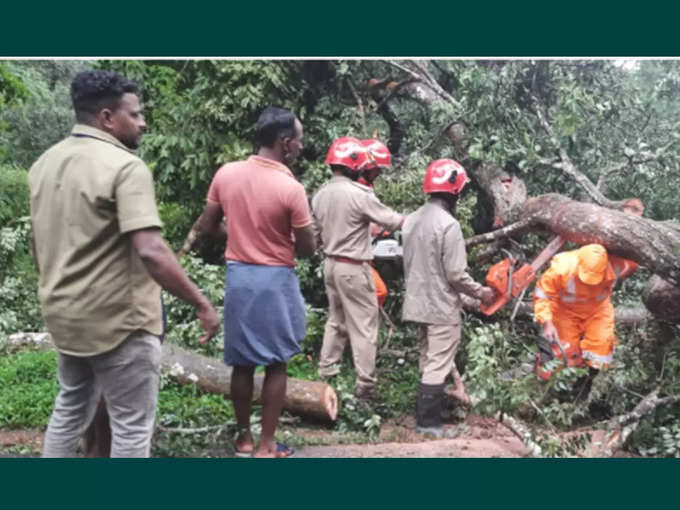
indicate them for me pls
(210, 223)
(305, 242)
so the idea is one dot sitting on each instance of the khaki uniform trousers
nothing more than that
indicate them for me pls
(438, 346)
(352, 313)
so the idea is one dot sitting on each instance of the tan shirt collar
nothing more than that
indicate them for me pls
(93, 132)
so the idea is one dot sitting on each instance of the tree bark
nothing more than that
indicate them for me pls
(626, 424)
(662, 297)
(306, 398)
(649, 243)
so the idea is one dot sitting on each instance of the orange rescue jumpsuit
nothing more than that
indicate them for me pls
(582, 314)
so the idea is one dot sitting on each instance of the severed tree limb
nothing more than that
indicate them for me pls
(515, 228)
(488, 252)
(394, 90)
(626, 424)
(652, 244)
(518, 428)
(195, 430)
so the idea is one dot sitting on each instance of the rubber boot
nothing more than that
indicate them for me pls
(429, 408)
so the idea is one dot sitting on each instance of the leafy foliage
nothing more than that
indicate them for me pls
(19, 308)
(44, 115)
(618, 125)
(28, 386)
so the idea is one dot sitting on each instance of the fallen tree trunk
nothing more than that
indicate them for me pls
(650, 243)
(311, 399)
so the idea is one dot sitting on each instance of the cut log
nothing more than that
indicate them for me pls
(310, 399)
(306, 398)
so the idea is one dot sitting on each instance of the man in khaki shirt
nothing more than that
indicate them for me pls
(436, 280)
(102, 262)
(343, 210)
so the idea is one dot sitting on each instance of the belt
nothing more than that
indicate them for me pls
(347, 260)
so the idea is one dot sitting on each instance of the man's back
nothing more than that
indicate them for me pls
(343, 211)
(87, 192)
(262, 203)
(429, 297)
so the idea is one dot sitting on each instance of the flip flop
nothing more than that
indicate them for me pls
(283, 451)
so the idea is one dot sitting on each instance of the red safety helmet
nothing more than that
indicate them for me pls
(445, 176)
(349, 152)
(381, 156)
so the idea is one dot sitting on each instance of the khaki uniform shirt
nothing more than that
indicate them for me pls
(342, 211)
(87, 192)
(435, 266)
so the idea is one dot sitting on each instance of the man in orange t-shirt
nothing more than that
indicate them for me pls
(268, 224)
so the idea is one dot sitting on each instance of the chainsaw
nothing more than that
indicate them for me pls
(511, 276)
(386, 246)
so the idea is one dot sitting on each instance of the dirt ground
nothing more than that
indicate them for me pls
(475, 437)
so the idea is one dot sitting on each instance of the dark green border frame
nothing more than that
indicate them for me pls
(311, 29)
(200, 29)
(367, 483)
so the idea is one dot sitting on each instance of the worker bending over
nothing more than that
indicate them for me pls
(572, 302)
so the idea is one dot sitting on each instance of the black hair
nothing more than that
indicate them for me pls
(346, 171)
(273, 123)
(93, 90)
(450, 199)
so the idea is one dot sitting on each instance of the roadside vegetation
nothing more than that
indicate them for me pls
(201, 114)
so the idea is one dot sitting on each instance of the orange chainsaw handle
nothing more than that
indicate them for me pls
(503, 276)
(498, 303)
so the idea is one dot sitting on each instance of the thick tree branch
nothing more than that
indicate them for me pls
(649, 243)
(514, 228)
(626, 424)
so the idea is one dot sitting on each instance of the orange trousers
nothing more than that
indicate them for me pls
(586, 334)
(380, 287)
